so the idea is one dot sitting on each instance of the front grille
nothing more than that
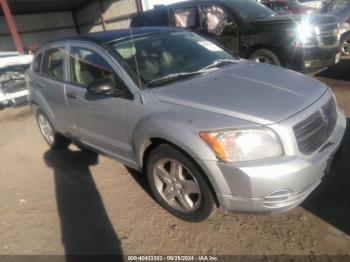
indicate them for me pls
(314, 131)
(328, 34)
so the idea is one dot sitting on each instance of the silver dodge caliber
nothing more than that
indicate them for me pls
(207, 128)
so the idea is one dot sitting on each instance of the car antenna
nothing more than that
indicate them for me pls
(136, 63)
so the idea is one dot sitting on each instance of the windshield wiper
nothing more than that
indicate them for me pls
(171, 78)
(184, 75)
(218, 63)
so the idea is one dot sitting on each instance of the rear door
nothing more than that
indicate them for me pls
(98, 119)
(49, 81)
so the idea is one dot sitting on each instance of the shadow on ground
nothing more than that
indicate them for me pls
(338, 71)
(331, 200)
(141, 180)
(86, 228)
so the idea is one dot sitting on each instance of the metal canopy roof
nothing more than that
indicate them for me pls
(41, 6)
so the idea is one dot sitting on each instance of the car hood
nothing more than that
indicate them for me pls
(293, 19)
(259, 93)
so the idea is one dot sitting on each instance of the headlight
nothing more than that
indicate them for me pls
(243, 145)
(305, 34)
(305, 31)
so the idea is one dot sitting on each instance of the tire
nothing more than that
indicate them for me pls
(345, 45)
(262, 55)
(191, 199)
(51, 137)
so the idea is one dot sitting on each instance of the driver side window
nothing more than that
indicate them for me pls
(88, 66)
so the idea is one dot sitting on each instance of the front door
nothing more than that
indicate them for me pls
(98, 119)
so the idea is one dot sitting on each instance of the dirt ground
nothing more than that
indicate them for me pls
(73, 202)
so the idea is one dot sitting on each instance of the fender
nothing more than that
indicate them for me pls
(179, 133)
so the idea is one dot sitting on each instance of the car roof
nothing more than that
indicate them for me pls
(114, 35)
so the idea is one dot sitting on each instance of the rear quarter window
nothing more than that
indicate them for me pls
(152, 18)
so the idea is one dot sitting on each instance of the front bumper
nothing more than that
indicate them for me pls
(313, 59)
(14, 99)
(274, 184)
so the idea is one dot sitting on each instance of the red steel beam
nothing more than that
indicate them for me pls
(12, 26)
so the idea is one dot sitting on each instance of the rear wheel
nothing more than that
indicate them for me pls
(265, 56)
(178, 184)
(52, 138)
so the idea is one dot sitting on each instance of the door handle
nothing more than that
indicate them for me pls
(72, 95)
(40, 85)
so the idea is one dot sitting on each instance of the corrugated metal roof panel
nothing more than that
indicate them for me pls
(89, 13)
(119, 8)
(39, 21)
(39, 6)
(118, 25)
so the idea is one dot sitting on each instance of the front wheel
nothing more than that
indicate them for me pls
(265, 56)
(178, 185)
(52, 138)
(345, 45)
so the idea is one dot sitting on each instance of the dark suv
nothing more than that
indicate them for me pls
(251, 30)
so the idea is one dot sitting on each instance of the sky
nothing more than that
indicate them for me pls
(148, 4)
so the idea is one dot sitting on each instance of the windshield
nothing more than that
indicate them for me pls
(249, 10)
(165, 55)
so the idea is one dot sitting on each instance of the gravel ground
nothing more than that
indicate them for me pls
(75, 202)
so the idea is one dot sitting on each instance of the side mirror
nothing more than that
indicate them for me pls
(229, 24)
(104, 86)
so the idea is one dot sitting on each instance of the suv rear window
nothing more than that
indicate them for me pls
(54, 63)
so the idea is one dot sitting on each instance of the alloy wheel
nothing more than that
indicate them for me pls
(346, 47)
(176, 185)
(263, 59)
(46, 129)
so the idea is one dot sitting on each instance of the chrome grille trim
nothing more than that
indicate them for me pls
(314, 131)
(328, 35)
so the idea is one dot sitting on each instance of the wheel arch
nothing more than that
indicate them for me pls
(271, 48)
(155, 142)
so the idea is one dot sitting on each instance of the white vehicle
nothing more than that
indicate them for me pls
(14, 58)
(13, 86)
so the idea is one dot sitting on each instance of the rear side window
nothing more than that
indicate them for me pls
(151, 18)
(88, 66)
(54, 63)
(36, 63)
(186, 17)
